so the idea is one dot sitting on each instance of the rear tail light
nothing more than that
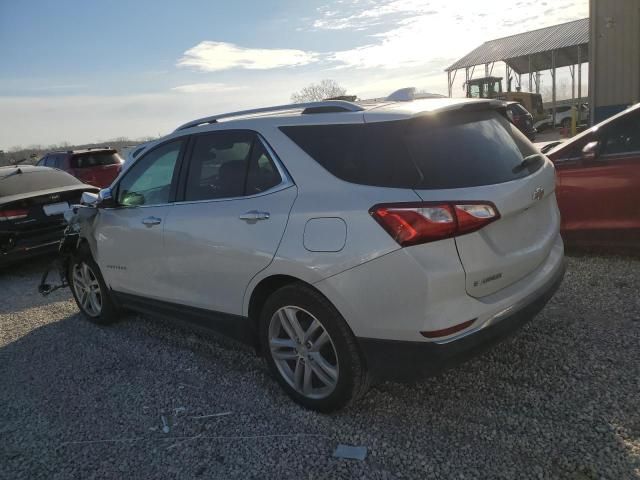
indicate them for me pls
(15, 214)
(416, 223)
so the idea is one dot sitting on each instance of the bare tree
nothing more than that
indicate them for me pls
(319, 91)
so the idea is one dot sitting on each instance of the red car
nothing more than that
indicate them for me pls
(598, 183)
(95, 166)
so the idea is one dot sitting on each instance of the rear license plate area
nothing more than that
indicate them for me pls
(55, 208)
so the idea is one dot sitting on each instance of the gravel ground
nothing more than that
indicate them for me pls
(559, 400)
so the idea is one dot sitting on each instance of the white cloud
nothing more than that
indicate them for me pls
(211, 87)
(420, 33)
(214, 56)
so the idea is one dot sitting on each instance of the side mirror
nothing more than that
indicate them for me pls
(89, 199)
(590, 151)
(105, 198)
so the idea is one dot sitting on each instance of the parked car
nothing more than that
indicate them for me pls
(32, 203)
(563, 117)
(599, 183)
(522, 119)
(344, 241)
(95, 166)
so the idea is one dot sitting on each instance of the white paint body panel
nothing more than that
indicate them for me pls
(412, 290)
(203, 255)
(211, 254)
(130, 254)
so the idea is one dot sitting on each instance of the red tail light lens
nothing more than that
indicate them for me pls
(416, 223)
(15, 214)
(474, 216)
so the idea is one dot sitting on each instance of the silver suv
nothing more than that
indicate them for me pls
(346, 242)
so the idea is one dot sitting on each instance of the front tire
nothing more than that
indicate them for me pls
(89, 289)
(310, 349)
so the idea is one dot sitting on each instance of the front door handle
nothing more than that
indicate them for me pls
(151, 221)
(254, 216)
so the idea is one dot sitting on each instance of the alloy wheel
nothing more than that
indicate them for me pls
(87, 289)
(303, 352)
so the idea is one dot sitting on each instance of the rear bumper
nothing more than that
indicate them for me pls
(19, 246)
(405, 360)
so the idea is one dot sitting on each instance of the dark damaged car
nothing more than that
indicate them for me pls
(32, 203)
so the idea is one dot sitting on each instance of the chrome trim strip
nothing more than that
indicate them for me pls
(35, 247)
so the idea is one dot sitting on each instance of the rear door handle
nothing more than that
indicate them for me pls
(151, 221)
(254, 216)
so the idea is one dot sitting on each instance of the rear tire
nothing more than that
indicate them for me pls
(89, 289)
(310, 349)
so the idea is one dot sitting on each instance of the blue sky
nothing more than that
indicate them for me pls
(80, 71)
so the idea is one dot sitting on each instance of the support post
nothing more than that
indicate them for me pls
(575, 111)
(466, 81)
(553, 88)
(530, 76)
(579, 75)
(486, 69)
(449, 82)
(506, 73)
(572, 72)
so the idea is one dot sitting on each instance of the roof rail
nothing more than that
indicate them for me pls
(309, 107)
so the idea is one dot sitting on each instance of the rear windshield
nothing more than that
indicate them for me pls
(519, 109)
(14, 183)
(95, 159)
(452, 150)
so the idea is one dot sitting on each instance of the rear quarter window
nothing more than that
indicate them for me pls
(449, 150)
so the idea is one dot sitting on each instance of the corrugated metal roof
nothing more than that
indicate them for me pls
(557, 37)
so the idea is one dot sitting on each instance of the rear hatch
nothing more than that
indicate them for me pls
(98, 168)
(478, 156)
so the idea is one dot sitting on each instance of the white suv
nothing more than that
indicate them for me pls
(344, 241)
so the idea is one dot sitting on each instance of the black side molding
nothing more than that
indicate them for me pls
(233, 326)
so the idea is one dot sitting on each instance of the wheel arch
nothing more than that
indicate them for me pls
(265, 288)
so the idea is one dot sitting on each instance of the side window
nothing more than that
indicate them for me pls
(263, 173)
(218, 165)
(622, 136)
(42, 162)
(148, 181)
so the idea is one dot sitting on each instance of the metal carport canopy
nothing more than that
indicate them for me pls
(530, 52)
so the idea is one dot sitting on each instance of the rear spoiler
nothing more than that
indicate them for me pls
(471, 106)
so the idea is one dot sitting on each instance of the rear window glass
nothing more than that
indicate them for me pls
(519, 109)
(13, 183)
(451, 150)
(95, 159)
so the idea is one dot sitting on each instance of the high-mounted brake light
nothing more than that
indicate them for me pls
(422, 222)
(15, 214)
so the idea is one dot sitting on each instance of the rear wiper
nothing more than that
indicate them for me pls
(528, 161)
